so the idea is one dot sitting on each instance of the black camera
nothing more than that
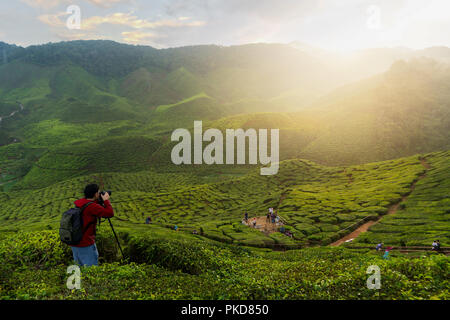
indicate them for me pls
(102, 193)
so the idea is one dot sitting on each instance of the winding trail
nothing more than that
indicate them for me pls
(392, 210)
(12, 113)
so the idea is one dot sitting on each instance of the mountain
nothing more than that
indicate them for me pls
(84, 112)
(9, 52)
(401, 112)
(331, 109)
(438, 53)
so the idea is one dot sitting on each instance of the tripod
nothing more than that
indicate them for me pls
(115, 235)
(110, 223)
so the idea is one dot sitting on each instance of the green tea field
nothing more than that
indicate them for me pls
(318, 204)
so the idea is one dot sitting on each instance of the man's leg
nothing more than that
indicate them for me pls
(76, 258)
(88, 255)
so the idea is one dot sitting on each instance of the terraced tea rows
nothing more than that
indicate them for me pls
(319, 204)
(425, 214)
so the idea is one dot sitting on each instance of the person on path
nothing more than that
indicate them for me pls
(386, 253)
(434, 245)
(379, 246)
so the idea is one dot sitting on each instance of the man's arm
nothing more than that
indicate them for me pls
(105, 211)
(108, 211)
(100, 211)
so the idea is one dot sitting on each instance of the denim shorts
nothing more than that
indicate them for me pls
(85, 256)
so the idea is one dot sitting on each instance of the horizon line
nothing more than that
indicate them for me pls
(292, 44)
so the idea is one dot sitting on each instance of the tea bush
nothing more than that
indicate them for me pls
(42, 249)
(178, 269)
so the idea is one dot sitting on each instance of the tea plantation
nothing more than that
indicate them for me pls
(227, 259)
(318, 204)
(34, 267)
(369, 152)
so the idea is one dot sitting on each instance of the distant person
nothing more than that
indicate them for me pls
(386, 253)
(85, 253)
(148, 220)
(438, 245)
(434, 245)
(272, 216)
(175, 227)
(379, 246)
(254, 223)
(246, 216)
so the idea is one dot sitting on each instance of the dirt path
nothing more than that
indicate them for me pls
(392, 210)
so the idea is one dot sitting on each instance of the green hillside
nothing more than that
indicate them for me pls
(141, 91)
(425, 214)
(316, 201)
(318, 204)
(402, 112)
(368, 146)
(185, 268)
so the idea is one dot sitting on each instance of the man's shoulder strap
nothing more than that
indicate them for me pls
(86, 205)
(90, 223)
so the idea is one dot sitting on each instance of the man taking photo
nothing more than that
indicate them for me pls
(85, 252)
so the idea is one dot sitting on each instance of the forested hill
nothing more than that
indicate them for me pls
(332, 109)
(226, 73)
(291, 77)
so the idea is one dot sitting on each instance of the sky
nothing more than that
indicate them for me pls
(337, 25)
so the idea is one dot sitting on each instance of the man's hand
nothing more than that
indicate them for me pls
(105, 196)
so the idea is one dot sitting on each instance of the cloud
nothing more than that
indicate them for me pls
(68, 35)
(42, 3)
(124, 19)
(53, 20)
(106, 3)
(127, 19)
(268, 10)
(135, 37)
(140, 28)
(47, 4)
(332, 24)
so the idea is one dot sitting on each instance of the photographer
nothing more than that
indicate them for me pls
(85, 253)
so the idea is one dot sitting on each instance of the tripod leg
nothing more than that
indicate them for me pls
(117, 239)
